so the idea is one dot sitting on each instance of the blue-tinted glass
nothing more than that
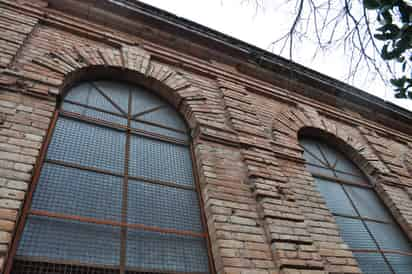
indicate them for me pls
(162, 206)
(166, 116)
(159, 130)
(312, 153)
(94, 114)
(329, 153)
(354, 233)
(400, 263)
(344, 165)
(143, 100)
(166, 252)
(368, 203)
(372, 263)
(88, 95)
(335, 197)
(389, 236)
(70, 240)
(77, 192)
(88, 145)
(160, 160)
(117, 92)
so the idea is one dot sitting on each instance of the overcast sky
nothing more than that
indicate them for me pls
(262, 27)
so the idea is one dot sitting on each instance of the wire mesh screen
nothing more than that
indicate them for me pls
(355, 233)
(116, 92)
(401, 264)
(164, 116)
(87, 94)
(88, 145)
(79, 192)
(110, 199)
(163, 206)
(56, 239)
(335, 197)
(94, 114)
(365, 224)
(166, 252)
(372, 263)
(160, 160)
(22, 266)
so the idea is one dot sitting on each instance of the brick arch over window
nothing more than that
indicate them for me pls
(69, 64)
(115, 190)
(293, 122)
(365, 224)
(287, 125)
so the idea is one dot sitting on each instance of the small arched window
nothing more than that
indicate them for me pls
(116, 193)
(365, 224)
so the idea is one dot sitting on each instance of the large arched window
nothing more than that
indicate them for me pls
(365, 224)
(116, 193)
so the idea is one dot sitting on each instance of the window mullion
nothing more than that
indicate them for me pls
(123, 236)
(367, 229)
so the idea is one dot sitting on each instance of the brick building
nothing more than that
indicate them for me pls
(133, 141)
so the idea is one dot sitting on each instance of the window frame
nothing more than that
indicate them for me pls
(342, 183)
(41, 160)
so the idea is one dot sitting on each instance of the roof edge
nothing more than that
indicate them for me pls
(262, 58)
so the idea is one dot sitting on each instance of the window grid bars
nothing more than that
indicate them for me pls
(123, 224)
(25, 265)
(133, 118)
(133, 131)
(363, 220)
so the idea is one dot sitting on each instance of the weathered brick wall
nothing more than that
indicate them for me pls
(263, 212)
(23, 125)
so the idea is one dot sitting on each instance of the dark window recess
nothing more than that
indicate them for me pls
(365, 224)
(116, 193)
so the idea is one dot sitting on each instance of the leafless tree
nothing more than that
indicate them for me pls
(331, 25)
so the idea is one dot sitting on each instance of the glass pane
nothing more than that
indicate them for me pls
(70, 240)
(22, 266)
(160, 160)
(86, 94)
(144, 100)
(346, 165)
(88, 145)
(312, 153)
(163, 206)
(329, 153)
(390, 236)
(355, 234)
(117, 92)
(165, 252)
(94, 114)
(335, 197)
(166, 116)
(159, 130)
(400, 263)
(372, 263)
(77, 192)
(368, 203)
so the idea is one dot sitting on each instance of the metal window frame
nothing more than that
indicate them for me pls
(366, 185)
(26, 211)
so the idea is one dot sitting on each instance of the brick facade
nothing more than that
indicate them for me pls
(263, 212)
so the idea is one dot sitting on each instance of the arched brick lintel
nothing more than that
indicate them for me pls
(351, 149)
(297, 122)
(129, 63)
